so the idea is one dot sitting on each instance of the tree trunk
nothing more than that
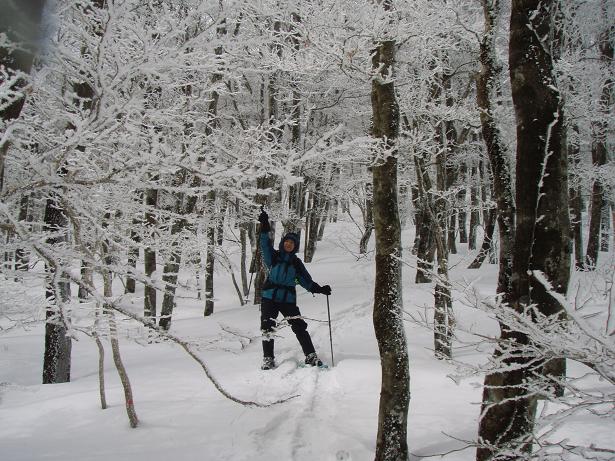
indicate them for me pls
(391, 442)
(86, 276)
(599, 149)
(312, 220)
(184, 206)
(117, 358)
(101, 359)
(324, 217)
(243, 237)
(605, 226)
(210, 260)
(452, 233)
(463, 215)
(368, 220)
(541, 245)
(487, 241)
(576, 204)
(486, 86)
(170, 273)
(133, 257)
(57, 357)
(443, 306)
(474, 215)
(149, 256)
(21, 256)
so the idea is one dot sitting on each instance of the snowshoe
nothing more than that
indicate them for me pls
(312, 360)
(268, 363)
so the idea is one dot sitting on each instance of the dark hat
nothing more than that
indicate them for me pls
(291, 236)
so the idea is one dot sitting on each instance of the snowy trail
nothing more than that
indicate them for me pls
(305, 415)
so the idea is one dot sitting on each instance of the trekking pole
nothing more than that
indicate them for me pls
(252, 273)
(330, 335)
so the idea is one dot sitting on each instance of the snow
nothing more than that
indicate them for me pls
(331, 414)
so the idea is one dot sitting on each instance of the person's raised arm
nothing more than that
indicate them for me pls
(264, 240)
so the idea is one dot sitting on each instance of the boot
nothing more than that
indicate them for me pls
(313, 360)
(268, 363)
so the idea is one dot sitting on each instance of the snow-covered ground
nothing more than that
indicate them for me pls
(332, 415)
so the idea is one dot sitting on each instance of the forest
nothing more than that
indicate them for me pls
(447, 164)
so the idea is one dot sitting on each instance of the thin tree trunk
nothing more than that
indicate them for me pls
(170, 273)
(474, 215)
(486, 86)
(324, 216)
(463, 215)
(391, 444)
(605, 226)
(101, 360)
(576, 205)
(117, 358)
(243, 236)
(368, 220)
(133, 257)
(311, 232)
(210, 260)
(452, 233)
(113, 336)
(21, 256)
(443, 306)
(149, 256)
(184, 206)
(487, 240)
(599, 147)
(426, 241)
(57, 356)
(86, 275)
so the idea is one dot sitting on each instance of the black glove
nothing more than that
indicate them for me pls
(316, 288)
(263, 218)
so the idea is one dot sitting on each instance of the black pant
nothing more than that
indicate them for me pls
(269, 312)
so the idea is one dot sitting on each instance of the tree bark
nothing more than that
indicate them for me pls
(542, 226)
(311, 232)
(243, 233)
(101, 359)
(391, 442)
(133, 257)
(474, 214)
(486, 85)
(605, 226)
(425, 246)
(463, 215)
(599, 147)
(57, 356)
(210, 259)
(368, 220)
(149, 255)
(21, 255)
(487, 241)
(576, 204)
(86, 275)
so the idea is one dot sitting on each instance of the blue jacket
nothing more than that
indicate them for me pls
(285, 270)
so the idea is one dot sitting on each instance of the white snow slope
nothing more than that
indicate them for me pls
(332, 415)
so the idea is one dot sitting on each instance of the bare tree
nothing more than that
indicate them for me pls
(599, 146)
(486, 84)
(541, 233)
(388, 324)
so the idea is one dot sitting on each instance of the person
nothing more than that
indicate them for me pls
(279, 296)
